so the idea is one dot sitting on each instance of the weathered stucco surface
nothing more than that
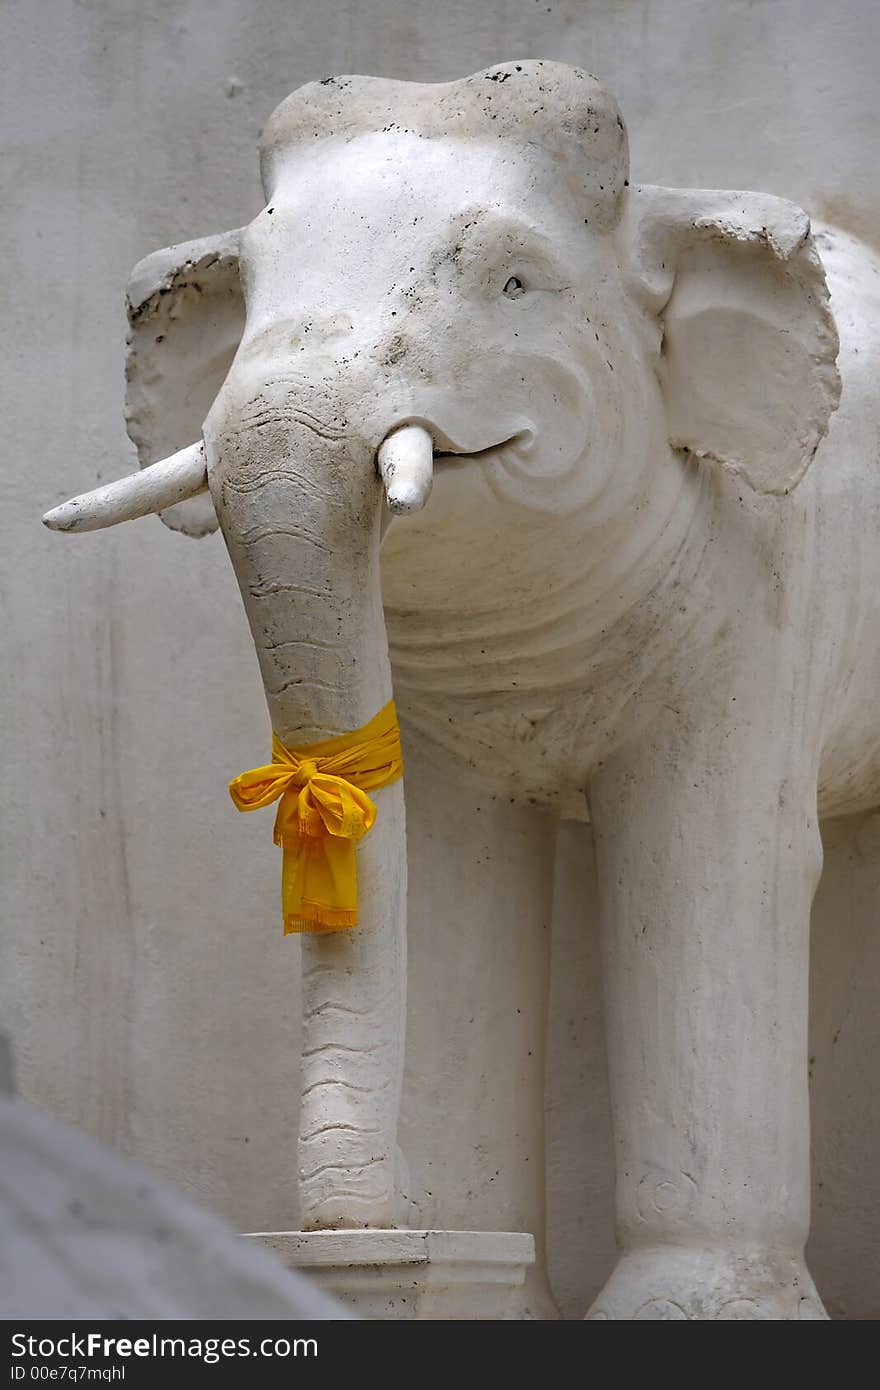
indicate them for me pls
(147, 989)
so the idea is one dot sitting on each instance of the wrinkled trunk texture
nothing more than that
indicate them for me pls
(300, 503)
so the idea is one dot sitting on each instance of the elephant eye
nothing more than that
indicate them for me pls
(514, 288)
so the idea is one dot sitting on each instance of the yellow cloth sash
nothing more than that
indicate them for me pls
(324, 809)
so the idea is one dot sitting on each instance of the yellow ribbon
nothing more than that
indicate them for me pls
(324, 809)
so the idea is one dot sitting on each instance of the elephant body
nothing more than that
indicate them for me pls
(643, 592)
(562, 657)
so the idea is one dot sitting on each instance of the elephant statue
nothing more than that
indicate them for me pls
(629, 528)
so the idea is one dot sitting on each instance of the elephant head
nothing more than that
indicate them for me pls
(454, 280)
(467, 260)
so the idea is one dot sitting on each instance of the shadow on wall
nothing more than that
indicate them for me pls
(844, 1249)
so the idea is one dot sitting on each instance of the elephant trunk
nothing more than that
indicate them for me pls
(300, 508)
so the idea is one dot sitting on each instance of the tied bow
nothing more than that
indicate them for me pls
(324, 810)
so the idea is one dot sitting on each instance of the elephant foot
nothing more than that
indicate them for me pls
(683, 1281)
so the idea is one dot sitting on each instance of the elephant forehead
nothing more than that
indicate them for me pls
(355, 208)
(542, 105)
(371, 172)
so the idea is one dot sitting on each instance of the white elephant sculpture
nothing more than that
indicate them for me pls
(643, 590)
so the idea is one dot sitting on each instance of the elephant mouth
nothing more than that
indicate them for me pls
(408, 455)
(456, 455)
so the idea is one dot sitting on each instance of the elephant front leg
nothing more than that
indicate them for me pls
(354, 1003)
(708, 853)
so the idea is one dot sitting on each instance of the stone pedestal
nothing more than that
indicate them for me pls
(456, 1275)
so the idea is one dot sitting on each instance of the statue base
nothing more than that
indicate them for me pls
(438, 1275)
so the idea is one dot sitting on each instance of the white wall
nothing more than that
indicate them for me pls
(148, 992)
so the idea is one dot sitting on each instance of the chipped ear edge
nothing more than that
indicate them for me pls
(659, 224)
(158, 273)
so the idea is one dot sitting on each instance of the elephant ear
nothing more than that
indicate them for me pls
(185, 315)
(744, 341)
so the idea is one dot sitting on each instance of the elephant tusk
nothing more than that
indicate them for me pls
(406, 467)
(171, 480)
